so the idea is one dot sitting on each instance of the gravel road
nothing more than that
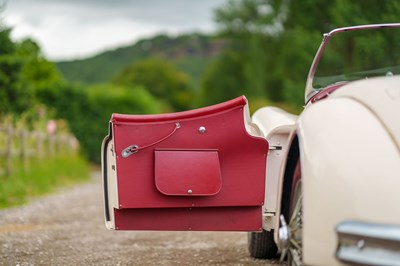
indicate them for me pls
(68, 229)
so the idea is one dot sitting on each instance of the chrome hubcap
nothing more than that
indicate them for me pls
(290, 236)
(295, 229)
(283, 234)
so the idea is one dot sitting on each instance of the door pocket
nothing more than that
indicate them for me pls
(187, 172)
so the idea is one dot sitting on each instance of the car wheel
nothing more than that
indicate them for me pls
(262, 245)
(296, 220)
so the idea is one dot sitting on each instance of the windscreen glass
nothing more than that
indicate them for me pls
(359, 54)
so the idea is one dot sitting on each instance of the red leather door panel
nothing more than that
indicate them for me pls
(194, 170)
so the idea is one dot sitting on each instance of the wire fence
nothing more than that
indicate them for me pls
(19, 146)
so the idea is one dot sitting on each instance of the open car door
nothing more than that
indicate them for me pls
(196, 170)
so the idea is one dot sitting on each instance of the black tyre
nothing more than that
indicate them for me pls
(262, 245)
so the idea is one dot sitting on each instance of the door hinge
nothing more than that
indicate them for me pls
(275, 148)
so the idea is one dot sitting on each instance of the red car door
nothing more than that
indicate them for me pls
(193, 170)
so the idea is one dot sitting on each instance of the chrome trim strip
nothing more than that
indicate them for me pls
(368, 243)
(369, 256)
(309, 91)
(371, 230)
(104, 162)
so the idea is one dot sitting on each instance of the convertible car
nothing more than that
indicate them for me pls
(321, 188)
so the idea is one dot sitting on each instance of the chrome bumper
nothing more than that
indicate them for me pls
(368, 243)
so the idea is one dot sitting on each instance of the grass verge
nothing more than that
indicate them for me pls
(41, 177)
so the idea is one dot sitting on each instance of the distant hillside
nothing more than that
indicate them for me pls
(189, 53)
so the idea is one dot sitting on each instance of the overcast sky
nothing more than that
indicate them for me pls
(69, 29)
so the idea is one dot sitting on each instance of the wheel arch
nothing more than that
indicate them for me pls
(285, 188)
(291, 162)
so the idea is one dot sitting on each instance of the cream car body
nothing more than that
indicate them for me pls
(350, 162)
(349, 143)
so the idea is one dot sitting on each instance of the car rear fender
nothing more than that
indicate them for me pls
(277, 126)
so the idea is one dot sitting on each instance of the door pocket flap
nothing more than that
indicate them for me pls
(187, 172)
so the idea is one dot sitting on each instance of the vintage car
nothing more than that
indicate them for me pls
(321, 188)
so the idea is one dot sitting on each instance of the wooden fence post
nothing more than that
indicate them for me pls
(51, 142)
(9, 150)
(39, 144)
(24, 148)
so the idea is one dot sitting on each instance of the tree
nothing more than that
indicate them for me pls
(15, 97)
(36, 70)
(161, 79)
(276, 40)
(252, 28)
(23, 69)
(223, 79)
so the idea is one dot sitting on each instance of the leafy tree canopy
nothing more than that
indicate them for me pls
(274, 41)
(161, 79)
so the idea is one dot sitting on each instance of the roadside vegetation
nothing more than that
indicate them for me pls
(27, 169)
(41, 177)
